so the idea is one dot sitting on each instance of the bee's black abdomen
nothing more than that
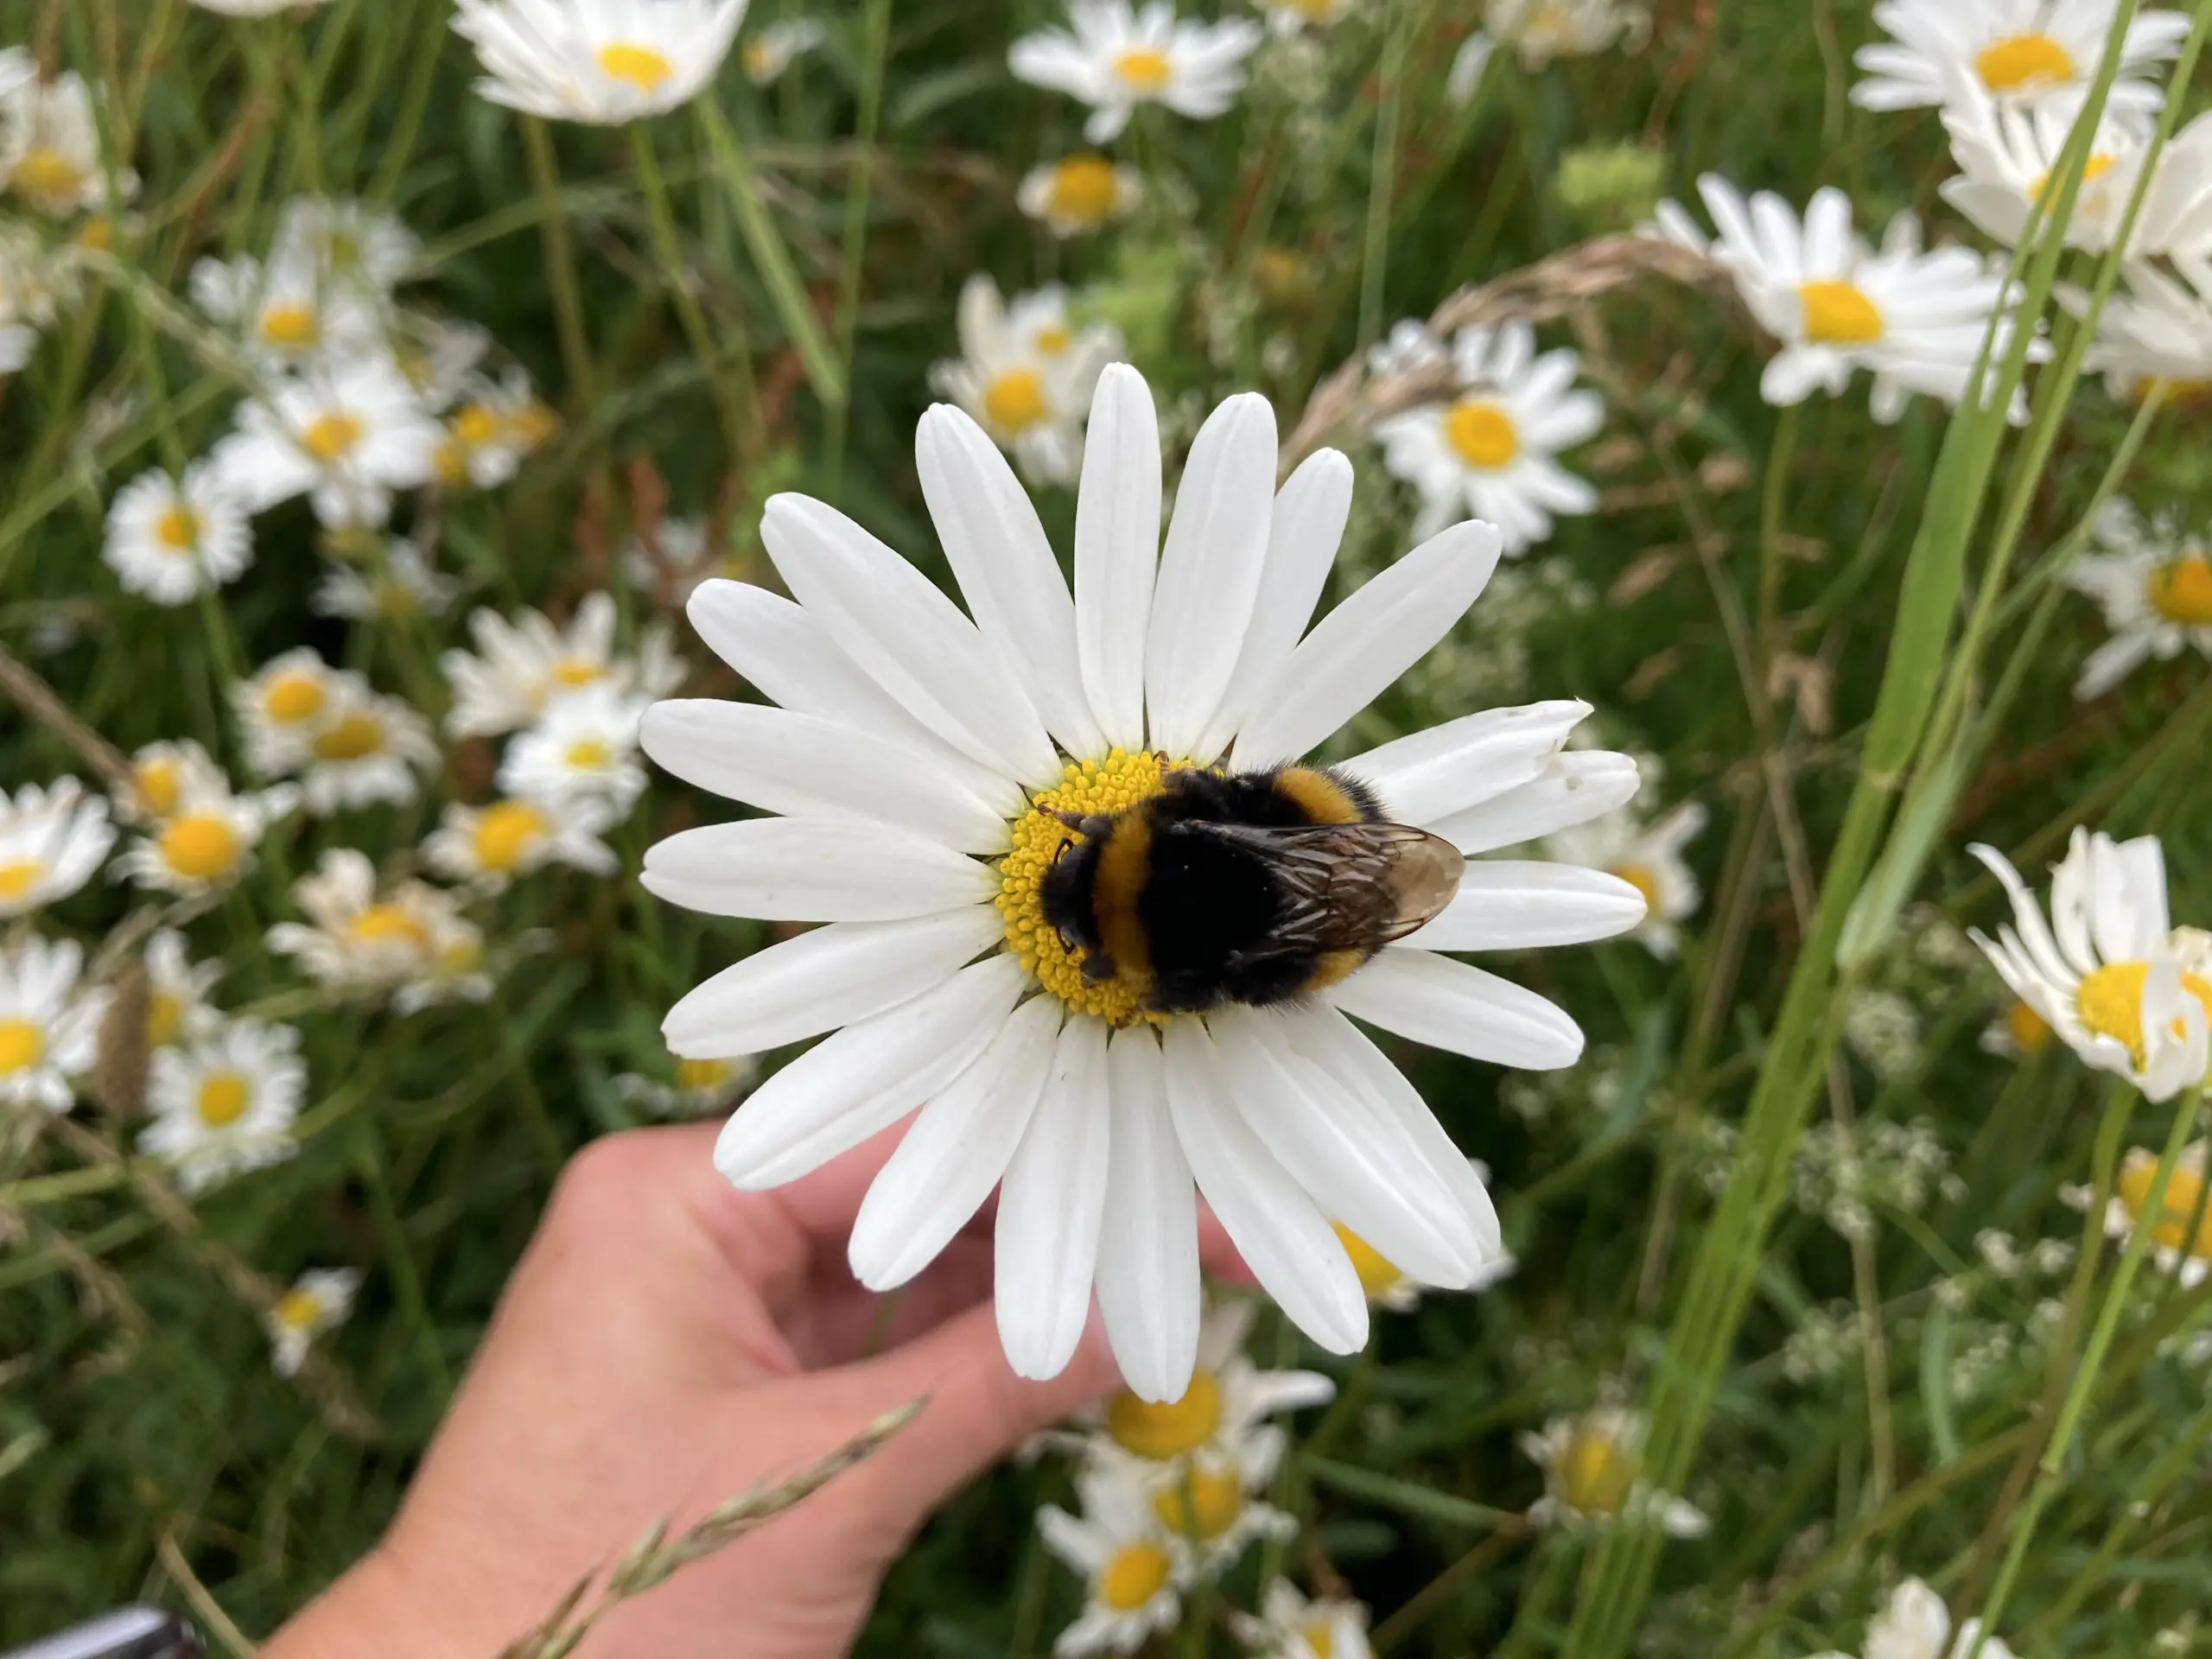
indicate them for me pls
(1207, 905)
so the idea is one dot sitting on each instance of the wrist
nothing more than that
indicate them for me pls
(378, 1608)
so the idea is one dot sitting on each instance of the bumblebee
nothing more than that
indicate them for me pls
(1251, 887)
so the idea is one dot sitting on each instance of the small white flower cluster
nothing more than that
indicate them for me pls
(1914, 1624)
(1823, 1342)
(1883, 1028)
(1844, 1176)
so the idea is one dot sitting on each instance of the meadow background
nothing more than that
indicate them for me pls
(1869, 1291)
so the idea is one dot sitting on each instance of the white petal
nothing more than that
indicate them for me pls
(996, 547)
(954, 1152)
(806, 766)
(813, 870)
(1574, 787)
(1288, 1245)
(1117, 550)
(1515, 904)
(1434, 774)
(1361, 648)
(1452, 1006)
(866, 1077)
(828, 978)
(1148, 1238)
(907, 637)
(1210, 572)
(1051, 1204)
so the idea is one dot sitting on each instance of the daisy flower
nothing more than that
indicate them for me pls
(692, 1088)
(1593, 1476)
(490, 846)
(206, 843)
(1028, 375)
(519, 668)
(1649, 857)
(287, 704)
(1213, 1500)
(1292, 16)
(1289, 1626)
(2012, 49)
(49, 1025)
(50, 147)
(2154, 586)
(1226, 1396)
(1129, 1559)
(288, 314)
(403, 586)
(27, 297)
(1915, 1624)
(2126, 991)
(356, 244)
(2157, 333)
(164, 775)
(441, 360)
(2009, 157)
(765, 56)
(51, 840)
(682, 554)
(1114, 56)
(171, 540)
(178, 988)
(1410, 348)
(224, 1104)
(18, 68)
(1915, 319)
(1490, 452)
(2018, 1033)
(356, 940)
(1542, 30)
(498, 423)
(584, 749)
(1079, 193)
(346, 435)
(367, 750)
(453, 968)
(1391, 1288)
(913, 744)
(317, 1303)
(2181, 1236)
(601, 61)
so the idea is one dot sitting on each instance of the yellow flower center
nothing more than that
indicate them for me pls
(1085, 190)
(1482, 434)
(578, 670)
(298, 1310)
(295, 327)
(2181, 590)
(1201, 1504)
(533, 425)
(1596, 1472)
(1014, 400)
(1379, 1275)
(1119, 781)
(450, 462)
(1054, 338)
(1144, 70)
(18, 876)
(2180, 391)
(2110, 1001)
(640, 65)
(2184, 1192)
(1314, 11)
(354, 737)
(1838, 314)
(330, 438)
(395, 600)
(290, 699)
(177, 530)
(164, 1016)
(200, 846)
(2021, 61)
(223, 1096)
(389, 924)
(1133, 1575)
(1643, 878)
(2097, 167)
(702, 1074)
(463, 954)
(478, 424)
(22, 1045)
(588, 754)
(45, 172)
(156, 784)
(1319, 1637)
(505, 833)
(2029, 1031)
(1163, 1430)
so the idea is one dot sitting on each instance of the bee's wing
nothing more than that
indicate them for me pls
(1352, 887)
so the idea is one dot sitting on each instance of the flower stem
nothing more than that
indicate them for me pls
(399, 1258)
(560, 265)
(1382, 179)
(741, 415)
(875, 50)
(414, 104)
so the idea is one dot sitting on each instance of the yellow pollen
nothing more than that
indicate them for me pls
(178, 530)
(461, 955)
(47, 174)
(1054, 338)
(298, 1310)
(1121, 780)
(478, 424)
(2029, 1031)
(22, 1045)
(290, 699)
(507, 831)
(2021, 61)
(2184, 1192)
(588, 754)
(1085, 190)
(1379, 1275)
(1014, 400)
(389, 924)
(1201, 1504)
(640, 66)
(1643, 878)
(1482, 434)
(295, 327)
(1320, 1636)
(701, 1074)
(1144, 70)
(1838, 314)
(450, 462)
(2181, 590)
(578, 670)
(155, 783)
(1133, 1575)
(1161, 1432)
(18, 876)
(2094, 168)
(759, 61)
(98, 233)
(2110, 1002)
(355, 737)
(533, 425)
(164, 1016)
(330, 438)
(200, 846)
(1596, 1472)
(223, 1099)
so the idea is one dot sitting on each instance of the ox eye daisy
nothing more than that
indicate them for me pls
(2018, 1033)
(317, 1304)
(1213, 1500)
(400, 587)
(1028, 375)
(2154, 586)
(50, 147)
(775, 48)
(520, 669)
(690, 1089)
(164, 776)
(584, 749)
(1129, 1559)
(346, 436)
(2156, 335)
(1490, 452)
(206, 842)
(1115, 57)
(2013, 50)
(367, 749)
(285, 705)
(49, 1024)
(178, 990)
(1080, 193)
(1914, 1624)
(362, 939)
(497, 424)
(286, 314)
(490, 846)
(1542, 30)
(52, 841)
(1649, 857)
(351, 242)
(1593, 1476)
(2180, 1225)
(1290, 1626)
(2010, 157)
(599, 61)
(224, 1104)
(171, 540)
(680, 554)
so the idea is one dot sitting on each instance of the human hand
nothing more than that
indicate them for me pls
(664, 1343)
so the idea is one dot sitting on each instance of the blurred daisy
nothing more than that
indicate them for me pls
(367, 750)
(453, 968)
(1649, 857)
(1227, 1395)
(1289, 1626)
(164, 775)
(2018, 1033)
(488, 435)
(356, 940)
(1212, 1500)
(2154, 586)
(2126, 991)
(18, 68)
(439, 359)
(360, 245)
(1410, 348)
(287, 704)
(692, 1088)
(286, 314)
(775, 48)
(178, 990)
(1914, 320)
(172, 540)
(997, 726)
(346, 435)
(1028, 375)
(1129, 1561)
(403, 586)
(208, 841)
(2181, 1227)
(1490, 452)
(2009, 157)
(52, 841)
(519, 668)
(2012, 49)
(49, 1025)
(1915, 1624)
(1593, 1475)
(682, 554)
(50, 147)
(2157, 332)
(490, 846)
(224, 1103)
(584, 748)
(27, 301)
(317, 1303)
(1291, 16)
(1389, 1288)
(601, 61)
(1079, 193)
(1541, 30)
(1116, 56)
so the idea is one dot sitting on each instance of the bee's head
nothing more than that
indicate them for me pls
(1065, 892)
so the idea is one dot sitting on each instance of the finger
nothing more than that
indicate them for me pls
(841, 1320)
